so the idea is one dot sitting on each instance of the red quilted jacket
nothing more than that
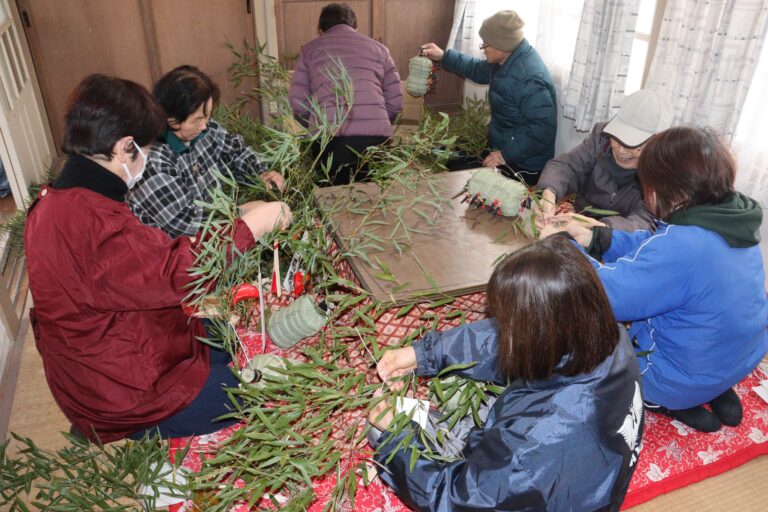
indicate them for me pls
(118, 351)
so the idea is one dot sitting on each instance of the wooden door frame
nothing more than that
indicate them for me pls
(7, 149)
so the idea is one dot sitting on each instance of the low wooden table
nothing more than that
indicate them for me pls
(408, 245)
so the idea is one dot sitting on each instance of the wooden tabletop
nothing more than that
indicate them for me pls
(413, 242)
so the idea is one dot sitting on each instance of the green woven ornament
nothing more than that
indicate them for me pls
(261, 367)
(497, 192)
(419, 70)
(297, 321)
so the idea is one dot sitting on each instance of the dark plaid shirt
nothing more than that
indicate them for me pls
(178, 175)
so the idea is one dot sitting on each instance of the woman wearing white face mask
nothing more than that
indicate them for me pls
(120, 355)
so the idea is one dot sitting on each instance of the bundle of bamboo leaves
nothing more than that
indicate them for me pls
(285, 442)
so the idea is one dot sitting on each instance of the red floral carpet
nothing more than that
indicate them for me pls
(673, 455)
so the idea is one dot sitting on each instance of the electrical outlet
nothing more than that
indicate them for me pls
(273, 106)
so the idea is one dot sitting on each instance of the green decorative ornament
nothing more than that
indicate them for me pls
(419, 69)
(297, 321)
(500, 194)
(262, 367)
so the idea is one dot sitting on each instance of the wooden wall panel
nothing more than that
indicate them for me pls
(297, 24)
(407, 24)
(196, 32)
(67, 44)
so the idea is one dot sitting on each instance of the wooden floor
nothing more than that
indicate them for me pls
(745, 488)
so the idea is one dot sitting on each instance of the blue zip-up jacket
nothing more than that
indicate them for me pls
(523, 104)
(568, 443)
(698, 307)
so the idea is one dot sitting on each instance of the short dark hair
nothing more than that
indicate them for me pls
(685, 166)
(548, 303)
(182, 90)
(336, 14)
(104, 109)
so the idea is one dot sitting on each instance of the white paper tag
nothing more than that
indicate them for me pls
(421, 413)
(163, 495)
(762, 391)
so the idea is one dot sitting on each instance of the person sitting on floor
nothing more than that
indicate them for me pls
(375, 86)
(120, 355)
(181, 166)
(521, 95)
(695, 289)
(602, 170)
(565, 433)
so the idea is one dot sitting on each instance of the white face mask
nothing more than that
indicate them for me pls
(132, 180)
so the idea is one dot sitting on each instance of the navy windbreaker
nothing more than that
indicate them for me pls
(568, 443)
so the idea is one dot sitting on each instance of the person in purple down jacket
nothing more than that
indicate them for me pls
(375, 86)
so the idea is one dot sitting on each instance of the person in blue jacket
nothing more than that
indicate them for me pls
(695, 289)
(565, 433)
(521, 95)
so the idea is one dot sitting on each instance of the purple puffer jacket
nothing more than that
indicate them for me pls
(377, 97)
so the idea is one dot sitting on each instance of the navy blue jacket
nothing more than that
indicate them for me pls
(523, 105)
(568, 443)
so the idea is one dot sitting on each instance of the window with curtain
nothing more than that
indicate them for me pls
(638, 59)
(749, 143)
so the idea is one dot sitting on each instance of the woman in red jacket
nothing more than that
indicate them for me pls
(120, 355)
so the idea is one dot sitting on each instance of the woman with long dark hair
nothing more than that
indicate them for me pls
(565, 433)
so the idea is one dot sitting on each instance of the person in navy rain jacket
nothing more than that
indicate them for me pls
(694, 290)
(565, 434)
(521, 95)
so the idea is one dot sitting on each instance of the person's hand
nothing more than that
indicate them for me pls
(262, 217)
(432, 51)
(544, 209)
(494, 159)
(549, 230)
(580, 232)
(273, 179)
(382, 413)
(586, 220)
(396, 363)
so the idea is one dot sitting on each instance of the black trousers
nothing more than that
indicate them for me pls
(344, 165)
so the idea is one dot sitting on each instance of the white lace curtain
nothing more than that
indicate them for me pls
(464, 30)
(595, 89)
(705, 59)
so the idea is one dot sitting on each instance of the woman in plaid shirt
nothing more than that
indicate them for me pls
(181, 165)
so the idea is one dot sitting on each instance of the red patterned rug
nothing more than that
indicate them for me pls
(673, 455)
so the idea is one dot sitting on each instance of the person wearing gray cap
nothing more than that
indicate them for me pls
(601, 171)
(521, 95)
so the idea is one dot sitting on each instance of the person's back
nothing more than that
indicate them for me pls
(524, 76)
(695, 290)
(375, 86)
(356, 86)
(565, 432)
(711, 313)
(571, 423)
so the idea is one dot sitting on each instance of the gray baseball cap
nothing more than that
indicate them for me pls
(642, 115)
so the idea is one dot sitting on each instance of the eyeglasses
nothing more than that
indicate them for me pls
(484, 46)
